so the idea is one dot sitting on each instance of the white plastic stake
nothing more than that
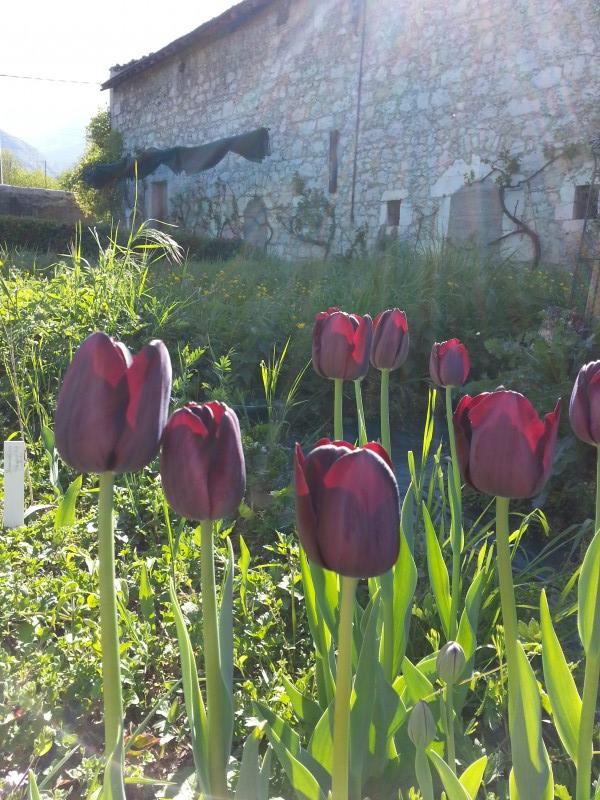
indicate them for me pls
(14, 484)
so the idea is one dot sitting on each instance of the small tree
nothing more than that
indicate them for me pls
(103, 145)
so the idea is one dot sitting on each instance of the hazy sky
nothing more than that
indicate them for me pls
(78, 41)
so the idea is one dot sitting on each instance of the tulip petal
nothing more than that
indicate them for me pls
(548, 444)
(306, 521)
(92, 403)
(148, 382)
(359, 516)
(227, 472)
(389, 348)
(504, 453)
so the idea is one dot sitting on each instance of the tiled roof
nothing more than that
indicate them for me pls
(225, 23)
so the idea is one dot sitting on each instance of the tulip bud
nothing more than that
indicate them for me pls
(421, 725)
(112, 407)
(503, 447)
(341, 345)
(202, 462)
(584, 408)
(449, 363)
(348, 508)
(389, 349)
(451, 662)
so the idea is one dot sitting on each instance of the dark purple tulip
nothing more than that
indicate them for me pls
(202, 462)
(584, 408)
(389, 349)
(341, 344)
(348, 508)
(449, 363)
(113, 407)
(504, 448)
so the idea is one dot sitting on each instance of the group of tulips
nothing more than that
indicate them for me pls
(112, 417)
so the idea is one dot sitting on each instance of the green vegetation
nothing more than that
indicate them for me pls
(220, 320)
(15, 174)
(103, 145)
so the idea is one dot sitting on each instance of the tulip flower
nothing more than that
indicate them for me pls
(389, 351)
(112, 407)
(110, 416)
(449, 366)
(389, 348)
(422, 731)
(584, 408)
(341, 345)
(504, 448)
(584, 414)
(202, 462)
(450, 665)
(347, 505)
(348, 517)
(449, 363)
(204, 478)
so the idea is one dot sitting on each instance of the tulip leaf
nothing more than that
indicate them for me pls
(467, 629)
(418, 685)
(303, 782)
(531, 775)
(264, 777)
(65, 514)
(454, 788)
(363, 698)
(319, 632)
(473, 776)
(405, 582)
(588, 617)
(114, 787)
(305, 708)
(244, 564)
(562, 691)
(320, 746)
(33, 792)
(438, 573)
(250, 779)
(389, 713)
(327, 596)
(194, 705)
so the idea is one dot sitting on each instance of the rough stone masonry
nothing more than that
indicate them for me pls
(387, 118)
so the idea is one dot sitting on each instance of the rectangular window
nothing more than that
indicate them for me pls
(159, 208)
(586, 202)
(334, 139)
(393, 213)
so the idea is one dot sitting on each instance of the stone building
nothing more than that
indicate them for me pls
(411, 119)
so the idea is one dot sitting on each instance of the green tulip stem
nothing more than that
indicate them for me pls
(217, 759)
(109, 639)
(423, 773)
(449, 703)
(362, 428)
(343, 692)
(590, 685)
(386, 438)
(456, 523)
(507, 592)
(338, 421)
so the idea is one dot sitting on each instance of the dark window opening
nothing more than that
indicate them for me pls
(334, 139)
(284, 12)
(181, 67)
(586, 203)
(393, 213)
(158, 200)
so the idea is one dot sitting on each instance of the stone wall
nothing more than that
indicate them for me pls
(441, 90)
(47, 204)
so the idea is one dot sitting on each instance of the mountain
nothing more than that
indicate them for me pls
(28, 156)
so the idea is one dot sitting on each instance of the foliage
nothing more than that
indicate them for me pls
(220, 321)
(15, 174)
(102, 145)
